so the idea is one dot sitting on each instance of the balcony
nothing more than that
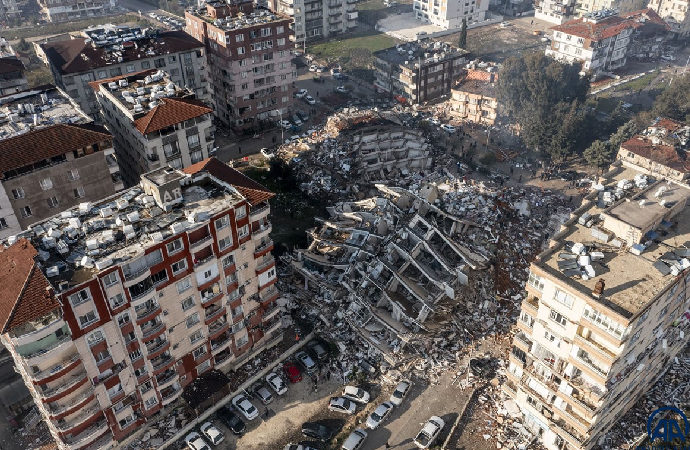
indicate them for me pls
(567, 433)
(166, 377)
(261, 230)
(162, 361)
(268, 294)
(212, 313)
(169, 394)
(152, 329)
(220, 342)
(88, 435)
(31, 332)
(217, 327)
(197, 240)
(53, 349)
(587, 360)
(158, 348)
(141, 289)
(57, 370)
(255, 213)
(67, 384)
(223, 357)
(149, 313)
(77, 402)
(265, 263)
(271, 311)
(523, 341)
(272, 326)
(598, 348)
(266, 244)
(531, 304)
(82, 417)
(208, 295)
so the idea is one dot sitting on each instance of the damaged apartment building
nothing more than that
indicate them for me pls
(395, 261)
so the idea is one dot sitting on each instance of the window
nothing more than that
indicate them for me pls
(192, 320)
(159, 277)
(179, 266)
(229, 261)
(563, 298)
(115, 72)
(136, 354)
(280, 30)
(271, 273)
(280, 41)
(110, 279)
(102, 74)
(172, 59)
(242, 341)
(183, 285)
(224, 243)
(231, 279)
(95, 337)
(174, 246)
(536, 282)
(73, 175)
(146, 387)
(187, 303)
(237, 311)
(193, 140)
(239, 38)
(558, 318)
(240, 212)
(552, 338)
(196, 336)
(635, 337)
(53, 202)
(240, 50)
(222, 222)
(46, 184)
(18, 193)
(101, 356)
(199, 352)
(171, 149)
(145, 65)
(123, 319)
(80, 297)
(203, 367)
(130, 68)
(196, 156)
(116, 301)
(160, 62)
(87, 319)
(151, 402)
(139, 372)
(3, 223)
(243, 231)
(79, 192)
(603, 322)
(208, 273)
(239, 326)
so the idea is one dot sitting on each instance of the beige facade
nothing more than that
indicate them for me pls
(474, 98)
(675, 13)
(317, 19)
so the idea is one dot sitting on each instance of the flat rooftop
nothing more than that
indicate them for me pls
(239, 21)
(631, 281)
(83, 240)
(426, 52)
(478, 87)
(644, 208)
(109, 34)
(37, 108)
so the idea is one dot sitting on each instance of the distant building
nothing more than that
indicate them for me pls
(100, 53)
(12, 77)
(52, 158)
(67, 10)
(554, 11)
(9, 10)
(417, 72)
(675, 13)
(250, 61)
(154, 122)
(474, 98)
(448, 14)
(584, 7)
(317, 19)
(599, 41)
(650, 35)
(661, 150)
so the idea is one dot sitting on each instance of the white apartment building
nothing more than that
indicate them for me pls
(598, 41)
(106, 339)
(448, 14)
(554, 11)
(154, 122)
(675, 13)
(605, 310)
(317, 19)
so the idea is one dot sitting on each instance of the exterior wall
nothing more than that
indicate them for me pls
(316, 19)
(598, 57)
(185, 69)
(94, 178)
(9, 9)
(554, 11)
(646, 165)
(12, 83)
(248, 84)
(675, 13)
(448, 14)
(474, 107)
(9, 225)
(66, 10)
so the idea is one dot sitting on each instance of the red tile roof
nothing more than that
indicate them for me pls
(170, 111)
(606, 28)
(669, 125)
(254, 192)
(665, 155)
(76, 55)
(645, 17)
(44, 143)
(24, 287)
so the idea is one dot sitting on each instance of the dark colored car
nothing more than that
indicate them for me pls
(292, 372)
(316, 430)
(317, 350)
(231, 420)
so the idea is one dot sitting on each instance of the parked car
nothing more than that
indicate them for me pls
(355, 440)
(306, 362)
(296, 120)
(429, 432)
(263, 394)
(285, 124)
(292, 372)
(505, 24)
(195, 442)
(356, 394)
(377, 417)
(301, 93)
(317, 350)
(434, 121)
(266, 153)
(276, 382)
(341, 90)
(298, 447)
(316, 430)
(231, 420)
(302, 115)
(400, 392)
(313, 68)
(341, 405)
(309, 99)
(448, 128)
(212, 433)
(243, 405)
(335, 70)
(320, 69)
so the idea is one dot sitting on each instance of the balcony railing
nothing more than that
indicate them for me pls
(148, 311)
(203, 260)
(601, 350)
(132, 275)
(166, 376)
(522, 338)
(57, 368)
(208, 296)
(66, 383)
(268, 293)
(263, 246)
(64, 339)
(79, 419)
(157, 347)
(589, 363)
(265, 263)
(88, 435)
(79, 400)
(161, 362)
(221, 342)
(148, 331)
(212, 311)
(257, 211)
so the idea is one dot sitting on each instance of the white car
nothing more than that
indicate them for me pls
(426, 437)
(341, 90)
(313, 68)
(309, 99)
(448, 128)
(379, 415)
(434, 121)
(212, 433)
(356, 394)
(400, 392)
(264, 395)
(243, 405)
(301, 93)
(285, 124)
(355, 440)
(276, 383)
(266, 153)
(505, 24)
(195, 442)
(341, 405)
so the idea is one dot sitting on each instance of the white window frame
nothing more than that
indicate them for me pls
(199, 352)
(189, 305)
(181, 266)
(73, 174)
(95, 337)
(183, 285)
(243, 232)
(224, 243)
(83, 296)
(176, 245)
(196, 336)
(564, 298)
(536, 281)
(558, 318)
(110, 279)
(46, 184)
(241, 212)
(95, 319)
(193, 320)
(18, 193)
(222, 222)
(113, 304)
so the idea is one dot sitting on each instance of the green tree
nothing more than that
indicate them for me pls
(624, 132)
(600, 154)
(462, 42)
(674, 101)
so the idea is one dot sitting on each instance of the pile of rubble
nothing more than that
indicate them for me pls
(165, 428)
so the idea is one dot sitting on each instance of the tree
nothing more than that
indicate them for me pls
(624, 132)
(674, 101)
(600, 154)
(462, 42)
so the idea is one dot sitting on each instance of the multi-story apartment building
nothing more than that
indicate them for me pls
(599, 41)
(108, 51)
(12, 77)
(154, 122)
(66, 10)
(448, 14)
(554, 11)
(9, 10)
(605, 310)
(675, 13)
(143, 303)
(474, 98)
(584, 7)
(250, 62)
(661, 150)
(317, 19)
(52, 157)
(416, 72)
(650, 36)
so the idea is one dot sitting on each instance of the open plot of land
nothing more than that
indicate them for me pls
(68, 27)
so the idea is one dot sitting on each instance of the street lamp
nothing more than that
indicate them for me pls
(282, 129)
